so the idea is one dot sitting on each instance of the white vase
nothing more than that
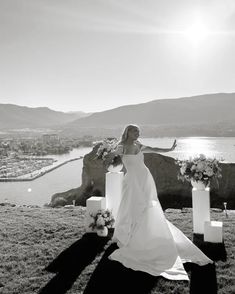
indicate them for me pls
(102, 232)
(199, 185)
(115, 169)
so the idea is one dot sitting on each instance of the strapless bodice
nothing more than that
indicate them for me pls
(133, 161)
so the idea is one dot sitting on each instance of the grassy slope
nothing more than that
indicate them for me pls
(32, 237)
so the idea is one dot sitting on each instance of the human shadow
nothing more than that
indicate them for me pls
(204, 277)
(215, 251)
(71, 262)
(112, 277)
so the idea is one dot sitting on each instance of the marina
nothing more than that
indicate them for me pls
(69, 176)
(35, 170)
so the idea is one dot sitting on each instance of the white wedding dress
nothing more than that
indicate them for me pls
(147, 241)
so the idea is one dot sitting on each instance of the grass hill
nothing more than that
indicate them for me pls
(32, 237)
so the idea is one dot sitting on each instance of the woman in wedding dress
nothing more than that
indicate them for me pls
(147, 241)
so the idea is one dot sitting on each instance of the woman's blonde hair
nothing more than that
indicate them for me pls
(124, 135)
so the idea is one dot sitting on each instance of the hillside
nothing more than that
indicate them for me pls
(194, 110)
(204, 115)
(33, 237)
(14, 116)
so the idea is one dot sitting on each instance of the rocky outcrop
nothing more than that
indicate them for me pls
(172, 193)
(93, 182)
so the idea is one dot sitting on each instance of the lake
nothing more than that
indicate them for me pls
(68, 176)
(40, 190)
(219, 147)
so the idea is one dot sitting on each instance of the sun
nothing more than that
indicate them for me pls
(197, 32)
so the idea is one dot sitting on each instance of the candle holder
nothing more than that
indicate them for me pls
(225, 208)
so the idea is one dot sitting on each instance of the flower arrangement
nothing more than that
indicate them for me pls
(199, 168)
(102, 218)
(105, 152)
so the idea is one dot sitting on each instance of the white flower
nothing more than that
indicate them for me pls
(100, 221)
(202, 157)
(103, 217)
(200, 176)
(209, 171)
(182, 170)
(201, 166)
(193, 167)
(107, 146)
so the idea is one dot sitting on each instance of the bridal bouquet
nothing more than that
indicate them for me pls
(199, 168)
(105, 152)
(102, 218)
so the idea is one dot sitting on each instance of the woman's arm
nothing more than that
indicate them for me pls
(148, 149)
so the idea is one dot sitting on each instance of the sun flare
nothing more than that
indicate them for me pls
(197, 32)
(197, 146)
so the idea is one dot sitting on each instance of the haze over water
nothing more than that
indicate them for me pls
(68, 176)
(219, 147)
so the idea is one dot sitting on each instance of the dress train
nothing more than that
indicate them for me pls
(147, 240)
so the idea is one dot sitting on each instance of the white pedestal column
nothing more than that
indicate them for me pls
(213, 232)
(201, 209)
(93, 204)
(113, 191)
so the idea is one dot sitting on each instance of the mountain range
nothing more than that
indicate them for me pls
(203, 115)
(17, 117)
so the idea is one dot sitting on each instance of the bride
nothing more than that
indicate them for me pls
(147, 241)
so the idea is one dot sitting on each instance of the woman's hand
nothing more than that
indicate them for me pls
(174, 145)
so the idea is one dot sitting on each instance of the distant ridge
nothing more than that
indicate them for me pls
(203, 115)
(208, 108)
(15, 116)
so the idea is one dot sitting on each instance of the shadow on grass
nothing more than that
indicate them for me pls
(112, 277)
(71, 262)
(215, 251)
(204, 277)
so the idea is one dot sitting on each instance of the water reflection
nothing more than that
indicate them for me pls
(191, 147)
(40, 190)
(68, 176)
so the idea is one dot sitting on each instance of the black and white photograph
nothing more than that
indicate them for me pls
(117, 146)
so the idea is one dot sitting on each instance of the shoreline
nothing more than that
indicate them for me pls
(40, 174)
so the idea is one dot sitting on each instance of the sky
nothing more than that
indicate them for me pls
(94, 55)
